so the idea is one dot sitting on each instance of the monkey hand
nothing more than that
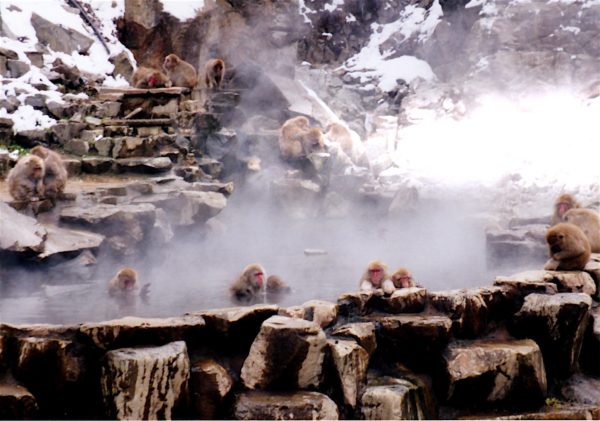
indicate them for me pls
(388, 287)
(145, 291)
(551, 265)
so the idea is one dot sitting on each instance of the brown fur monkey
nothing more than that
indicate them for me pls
(214, 73)
(569, 247)
(562, 204)
(249, 283)
(402, 278)
(351, 145)
(55, 177)
(291, 135)
(26, 180)
(275, 285)
(588, 221)
(147, 78)
(125, 282)
(180, 72)
(376, 277)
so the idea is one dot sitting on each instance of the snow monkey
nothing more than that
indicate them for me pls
(249, 283)
(375, 277)
(55, 177)
(569, 247)
(126, 284)
(26, 179)
(588, 221)
(147, 78)
(180, 71)
(214, 72)
(403, 279)
(297, 139)
(562, 204)
(275, 285)
(349, 142)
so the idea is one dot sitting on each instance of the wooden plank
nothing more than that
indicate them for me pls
(139, 122)
(105, 90)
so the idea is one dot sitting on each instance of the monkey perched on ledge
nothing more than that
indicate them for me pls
(55, 176)
(147, 78)
(180, 72)
(569, 247)
(297, 139)
(563, 203)
(26, 180)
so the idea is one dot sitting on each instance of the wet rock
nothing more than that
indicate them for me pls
(591, 346)
(211, 167)
(224, 188)
(321, 312)
(77, 147)
(352, 305)
(256, 405)
(581, 389)
(428, 335)
(363, 333)
(559, 411)
(405, 300)
(59, 37)
(210, 383)
(486, 372)
(389, 398)
(16, 402)
(557, 323)
(571, 281)
(350, 361)
(122, 65)
(63, 240)
(145, 383)
(130, 331)
(73, 166)
(20, 233)
(501, 302)
(526, 285)
(286, 352)
(96, 165)
(190, 173)
(143, 165)
(162, 232)
(466, 308)
(62, 132)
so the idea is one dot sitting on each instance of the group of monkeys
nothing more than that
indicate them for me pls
(573, 236)
(178, 72)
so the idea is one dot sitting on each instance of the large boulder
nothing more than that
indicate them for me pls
(405, 300)
(58, 37)
(20, 233)
(565, 281)
(145, 383)
(16, 402)
(255, 405)
(557, 323)
(287, 352)
(466, 308)
(363, 333)
(350, 362)
(210, 383)
(390, 398)
(494, 372)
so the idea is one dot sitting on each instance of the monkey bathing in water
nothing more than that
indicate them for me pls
(55, 175)
(376, 277)
(569, 247)
(180, 72)
(248, 284)
(562, 204)
(26, 180)
(125, 284)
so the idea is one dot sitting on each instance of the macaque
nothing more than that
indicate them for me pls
(402, 278)
(147, 78)
(55, 177)
(563, 203)
(275, 285)
(26, 179)
(297, 139)
(249, 283)
(376, 277)
(569, 247)
(125, 284)
(180, 72)
(349, 142)
(214, 72)
(588, 221)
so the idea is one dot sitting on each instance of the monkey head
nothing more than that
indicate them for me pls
(255, 274)
(127, 279)
(314, 140)
(171, 61)
(566, 240)
(377, 272)
(40, 151)
(563, 203)
(35, 166)
(402, 278)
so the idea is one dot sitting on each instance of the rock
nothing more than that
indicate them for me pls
(224, 188)
(73, 166)
(122, 65)
(256, 405)
(189, 173)
(63, 132)
(143, 165)
(17, 68)
(77, 147)
(210, 383)
(405, 300)
(31, 138)
(58, 37)
(557, 323)
(298, 198)
(130, 331)
(16, 402)
(145, 383)
(286, 352)
(211, 167)
(321, 312)
(91, 135)
(37, 101)
(565, 281)
(363, 333)
(20, 233)
(519, 248)
(166, 110)
(591, 344)
(5, 52)
(487, 372)
(581, 389)
(62, 240)
(387, 398)
(104, 146)
(352, 305)
(428, 335)
(131, 146)
(501, 302)
(350, 361)
(525, 286)
(162, 232)
(466, 308)
(96, 165)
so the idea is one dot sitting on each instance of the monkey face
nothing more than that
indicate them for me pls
(127, 283)
(258, 278)
(170, 61)
(556, 242)
(563, 207)
(376, 275)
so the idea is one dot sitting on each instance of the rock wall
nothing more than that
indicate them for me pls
(519, 349)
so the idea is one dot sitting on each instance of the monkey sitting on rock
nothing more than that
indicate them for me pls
(568, 246)
(376, 277)
(26, 180)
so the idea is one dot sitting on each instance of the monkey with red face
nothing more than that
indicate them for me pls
(562, 204)
(147, 78)
(376, 277)
(248, 284)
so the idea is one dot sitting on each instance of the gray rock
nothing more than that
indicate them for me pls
(389, 398)
(256, 405)
(73, 166)
(5, 52)
(20, 233)
(350, 361)
(210, 383)
(91, 136)
(466, 308)
(65, 131)
(77, 147)
(58, 37)
(96, 165)
(17, 68)
(62, 240)
(37, 101)
(363, 333)
(211, 167)
(122, 65)
(143, 165)
(31, 138)
(571, 281)
(145, 383)
(104, 146)
(405, 300)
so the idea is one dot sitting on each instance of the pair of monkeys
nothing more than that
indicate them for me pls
(376, 277)
(38, 175)
(251, 282)
(179, 72)
(573, 236)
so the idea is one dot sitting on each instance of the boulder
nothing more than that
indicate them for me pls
(210, 383)
(466, 308)
(526, 285)
(565, 281)
(59, 37)
(288, 353)
(20, 233)
(96, 165)
(77, 147)
(145, 383)
(363, 333)
(350, 362)
(390, 398)
(130, 331)
(352, 305)
(557, 323)
(581, 389)
(143, 165)
(122, 65)
(495, 372)
(501, 301)
(131, 146)
(65, 241)
(64, 131)
(16, 402)
(321, 312)
(405, 300)
(591, 345)
(255, 405)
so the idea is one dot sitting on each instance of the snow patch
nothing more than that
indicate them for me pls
(28, 118)
(183, 9)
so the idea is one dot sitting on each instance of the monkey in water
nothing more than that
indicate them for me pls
(569, 247)
(180, 72)
(248, 284)
(376, 277)
(588, 221)
(562, 204)
(214, 73)
(55, 176)
(147, 78)
(297, 139)
(402, 278)
(125, 284)
(26, 179)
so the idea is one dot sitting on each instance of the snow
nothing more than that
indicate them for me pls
(331, 7)
(27, 118)
(183, 9)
